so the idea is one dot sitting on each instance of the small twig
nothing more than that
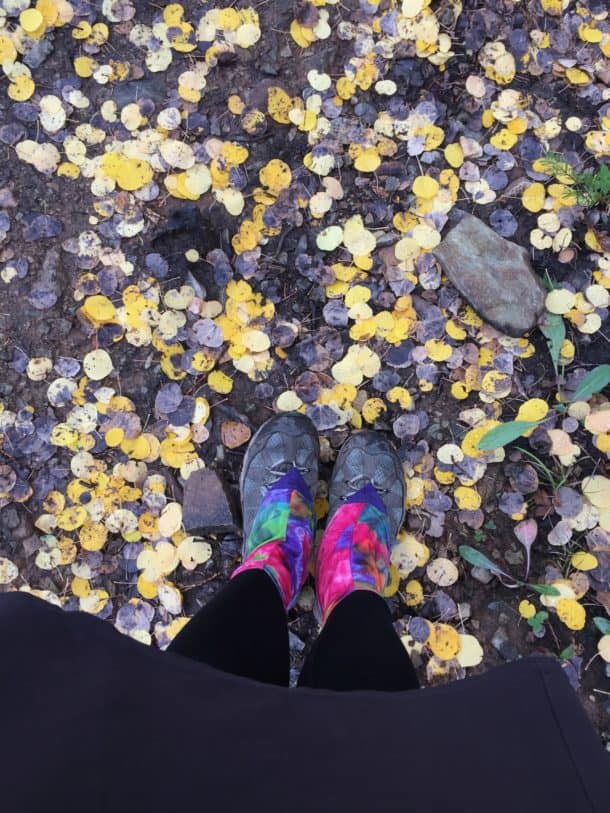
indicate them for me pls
(554, 634)
(590, 661)
(201, 583)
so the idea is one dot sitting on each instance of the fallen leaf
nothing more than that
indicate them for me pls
(234, 434)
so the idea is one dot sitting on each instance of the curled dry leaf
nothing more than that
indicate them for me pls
(234, 434)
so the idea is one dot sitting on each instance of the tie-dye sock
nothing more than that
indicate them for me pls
(281, 537)
(354, 553)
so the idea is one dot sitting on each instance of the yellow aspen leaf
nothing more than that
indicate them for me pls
(256, 341)
(8, 52)
(92, 536)
(467, 498)
(345, 88)
(80, 587)
(571, 613)
(425, 187)
(471, 652)
(31, 21)
(533, 410)
(391, 587)
(403, 221)
(356, 295)
(401, 396)
(411, 8)
(94, 602)
(99, 309)
(276, 175)
(533, 197)
(414, 593)
(581, 560)
(487, 119)
(527, 609)
(129, 173)
(279, 104)
(426, 236)
(438, 350)
(455, 331)
(454, 155)
(442, 571)
(602, 442)
(146, 589)
(503, 139)
(71, 518)
(445, 478)
(444, 641)
(82, 31)
(21, 88)
(554, 7)
(518, 125)
(496, 384)
(219, 382)
(301, 35)
(459, 390)
(356, 238)
(367, 160)
(471, 439)
(68, 170)
(372, 409)
(576, 76)
(589, 33)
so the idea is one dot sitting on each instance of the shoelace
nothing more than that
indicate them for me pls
(359, 481)
(281, 469)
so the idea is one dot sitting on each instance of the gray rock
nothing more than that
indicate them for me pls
(493, 274)
(481, 574)
(502, 644)
(514, 557)
(129, 92)
(208, 505)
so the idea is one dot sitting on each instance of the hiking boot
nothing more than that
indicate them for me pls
(285, 441)
(366, 510)
(369, 457)
(278, 483)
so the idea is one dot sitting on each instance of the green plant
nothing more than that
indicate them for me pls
(477, 559)
(505, 433)
(553, 329)
(593, 382)
(602, 624)
(536, 622)
(549, 283)
(555, 481)
(591, 188)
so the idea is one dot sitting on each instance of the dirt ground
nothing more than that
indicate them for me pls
(35, 325)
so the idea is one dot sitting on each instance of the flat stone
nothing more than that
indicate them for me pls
(493, 274)
(481, 574)
(208, 505)
(504, 647)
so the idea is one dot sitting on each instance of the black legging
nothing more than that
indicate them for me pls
(357, 648)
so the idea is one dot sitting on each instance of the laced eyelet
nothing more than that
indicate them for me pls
(281, 469)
